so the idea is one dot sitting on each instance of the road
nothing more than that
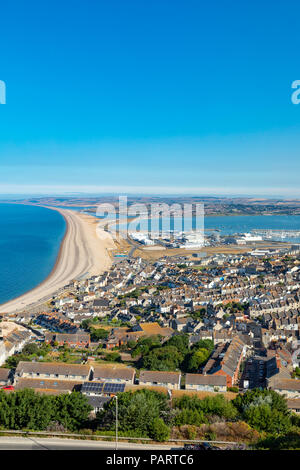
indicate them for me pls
(37, 443)
(255, 372)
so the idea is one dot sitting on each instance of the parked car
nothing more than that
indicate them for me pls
(200, 446)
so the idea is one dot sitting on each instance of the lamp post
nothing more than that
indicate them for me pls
(116, 397)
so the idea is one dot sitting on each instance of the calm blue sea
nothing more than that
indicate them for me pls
(30, 238)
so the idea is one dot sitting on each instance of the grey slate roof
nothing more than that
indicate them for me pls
(159, 376)
(201, 379)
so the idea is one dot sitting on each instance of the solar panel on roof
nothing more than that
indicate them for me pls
(113, 388)
(92, 387)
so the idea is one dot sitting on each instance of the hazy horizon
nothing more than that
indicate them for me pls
(4, 196)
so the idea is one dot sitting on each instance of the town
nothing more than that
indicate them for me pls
(197, 326)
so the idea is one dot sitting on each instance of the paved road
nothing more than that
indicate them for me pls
(255, 372)
(36, 443)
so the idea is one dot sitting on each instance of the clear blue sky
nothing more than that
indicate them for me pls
(150, 96)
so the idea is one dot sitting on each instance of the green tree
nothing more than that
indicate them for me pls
(192, 417)
(71, 410)
(144, 345)
(98, 334)
(290, 440)
(197, 359)
(212, 405)
(25, 409)
(85, 324)
(158, 430)
(113, 357)
(164, 358)
(265, 410)
(257, 397)
(131, 344)
(136, 411)
(30, 348)
(180, 342)
(296, 372)
(263, 418)
(206, 344)
(199, 314)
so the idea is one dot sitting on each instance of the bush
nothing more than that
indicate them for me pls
(257, 397)
(192, 432)
(159, 431)
(98, 334)
(233, 389)
(31, 348)
(26, 409)
(264, 410)
(263, 418)
(193, 417)
(216, 405)
(210, 436)
(288, 441)
(164, 358)
(136, 412)
(113, 357)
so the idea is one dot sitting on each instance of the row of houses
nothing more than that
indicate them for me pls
(65, 377)
(100, 383)
(73, 340)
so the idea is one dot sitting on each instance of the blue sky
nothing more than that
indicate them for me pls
(150, 96)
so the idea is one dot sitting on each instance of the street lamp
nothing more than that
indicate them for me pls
(116, 397)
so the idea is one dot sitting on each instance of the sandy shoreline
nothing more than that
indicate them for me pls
(83, 252)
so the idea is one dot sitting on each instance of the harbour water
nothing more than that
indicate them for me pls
(225, 225)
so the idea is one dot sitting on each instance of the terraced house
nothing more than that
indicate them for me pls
(113, 373)
(52, 370)
(171, 380)
(288, 387)
(206, 383)
(75, 340)
(228, 363)
(49, 386)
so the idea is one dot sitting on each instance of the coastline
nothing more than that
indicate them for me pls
(44, 281)
(78, 255)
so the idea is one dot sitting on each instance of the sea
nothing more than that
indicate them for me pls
(30, 238)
